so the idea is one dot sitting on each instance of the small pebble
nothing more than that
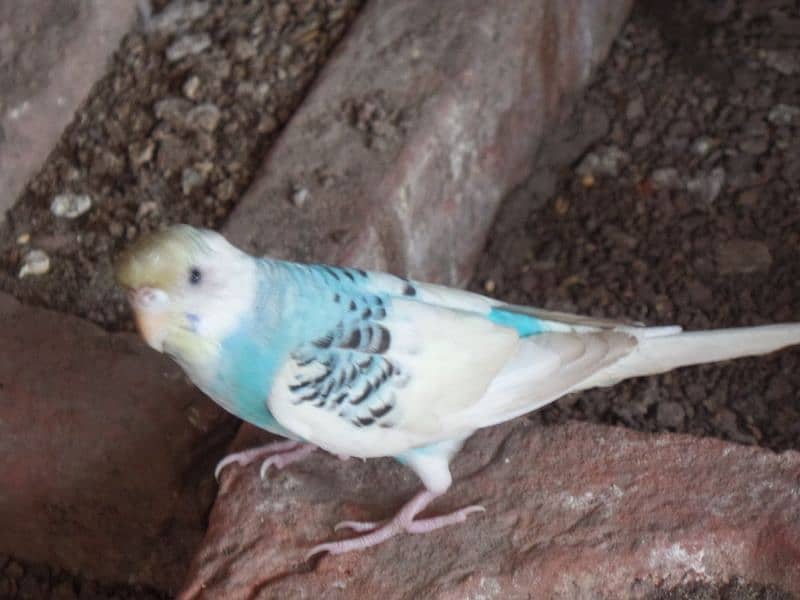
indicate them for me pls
(178, 15)
(702, 146)
(300, 196)
(23, 238)
(70, 206)
(205, 116)
(141, 154)
(707, 186)
(666, 178)
(187, 46)
(244, 49)
(191, 86)
(606, 160)
(36, 262)
(190, 179)
(782, 61)
(173, 110)
(146, 208)
(490, 286)
(784, 114)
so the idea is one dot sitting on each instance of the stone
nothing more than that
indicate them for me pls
(188, 45)
(425, 119)
(178, 16)
(785, 62)
(46, 75)
(107, 468)
(667, 178)
(300, 196)
(784, 114)
(204, 117)
(703, 145)
(707, 186)
(35, 262)
(191, 87)
(173, 111)
(743, 256)
(607, 161)
(190, 179)
(70, 206)
(572, 511)
(244, 49)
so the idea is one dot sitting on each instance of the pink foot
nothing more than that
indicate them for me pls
(279, 454)
(403, 521)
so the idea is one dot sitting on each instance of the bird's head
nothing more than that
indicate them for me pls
(188, 288)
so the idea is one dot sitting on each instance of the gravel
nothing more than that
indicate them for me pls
(31, 582)
(734, 590)
(684, 207)
(173, 133)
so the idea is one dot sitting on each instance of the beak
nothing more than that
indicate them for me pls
(150, 307)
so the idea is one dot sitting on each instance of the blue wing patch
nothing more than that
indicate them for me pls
(526, 325)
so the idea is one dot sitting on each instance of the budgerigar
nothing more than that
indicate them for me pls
(368, 364)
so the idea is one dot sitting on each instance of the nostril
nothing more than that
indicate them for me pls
(146, 297)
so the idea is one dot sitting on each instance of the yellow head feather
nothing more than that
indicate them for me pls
(159, 260)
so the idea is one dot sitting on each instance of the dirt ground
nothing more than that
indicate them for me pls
(685, 208)
(174, 133)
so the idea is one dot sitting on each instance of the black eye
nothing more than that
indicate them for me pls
(195, 276)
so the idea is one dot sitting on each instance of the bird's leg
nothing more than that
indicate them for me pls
(278, 454)
(403, 521)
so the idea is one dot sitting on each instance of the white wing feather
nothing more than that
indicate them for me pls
(467, 372)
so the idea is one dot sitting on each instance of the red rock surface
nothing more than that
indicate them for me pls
(51, 53)
(424, 119)
(573, 511)
(106, 452)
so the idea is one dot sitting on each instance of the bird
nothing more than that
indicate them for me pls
(368, 364)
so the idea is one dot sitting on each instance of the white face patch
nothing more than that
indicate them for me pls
(216, 291)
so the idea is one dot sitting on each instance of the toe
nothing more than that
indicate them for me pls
(357, 526)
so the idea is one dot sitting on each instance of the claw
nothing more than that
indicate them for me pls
(279, 461)
(288, 449)
(318, 549)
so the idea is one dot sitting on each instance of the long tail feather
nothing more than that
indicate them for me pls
(666, 352)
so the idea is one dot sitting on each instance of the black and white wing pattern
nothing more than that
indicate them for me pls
(347, 371)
